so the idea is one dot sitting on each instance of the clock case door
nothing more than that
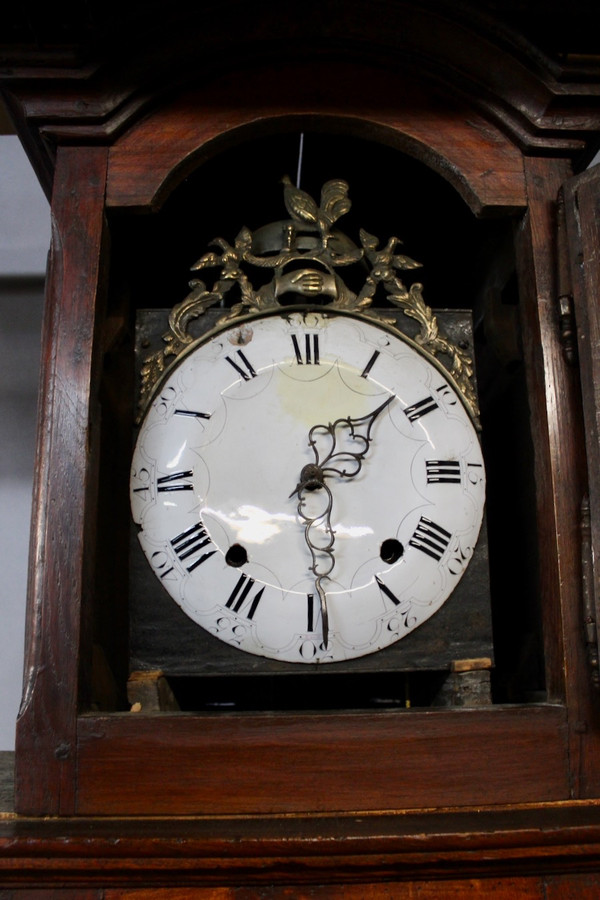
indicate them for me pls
(579, 234)
(113, 762)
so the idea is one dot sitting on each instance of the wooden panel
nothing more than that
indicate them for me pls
(574, 887)
(56, 893)
(274, 763)
(555, 427)
(582, 204)
(58, 565)
(583, 218)
(560, 471)
(451, 139)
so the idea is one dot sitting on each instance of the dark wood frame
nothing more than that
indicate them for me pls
(340, 765)
(90, 754)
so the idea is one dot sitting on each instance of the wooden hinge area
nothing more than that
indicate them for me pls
(566, 312)
(589, 612)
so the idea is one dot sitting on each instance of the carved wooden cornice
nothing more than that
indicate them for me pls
(96, 88)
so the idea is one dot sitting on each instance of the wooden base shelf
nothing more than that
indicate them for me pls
(556, 840)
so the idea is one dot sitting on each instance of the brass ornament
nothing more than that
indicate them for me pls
(305, 253)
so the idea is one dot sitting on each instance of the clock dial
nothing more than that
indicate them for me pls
(308, 486)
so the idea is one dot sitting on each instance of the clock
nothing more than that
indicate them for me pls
(307, 480)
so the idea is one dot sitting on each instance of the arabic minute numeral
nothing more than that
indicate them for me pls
(246, 369)
(160, 561)
(458, 558)
(430, 538)
(311, 350)
(475, 473)
(447, 395)
(165, 401)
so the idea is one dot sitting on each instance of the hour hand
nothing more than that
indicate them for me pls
(343, 461)
(350, 439)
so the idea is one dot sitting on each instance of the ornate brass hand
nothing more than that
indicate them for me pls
(340, 460)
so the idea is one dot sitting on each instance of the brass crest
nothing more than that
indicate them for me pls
(305, 253)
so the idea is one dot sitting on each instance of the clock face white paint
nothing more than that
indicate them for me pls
(219, 459)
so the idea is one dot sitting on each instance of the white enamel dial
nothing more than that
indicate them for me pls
(239, 536)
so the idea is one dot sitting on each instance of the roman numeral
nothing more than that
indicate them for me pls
(311, 350)
(192, 414)
(239, 596)
(443, 471)
(386, 591)
(369, 365)
(247, 372)
(313, 611)
(174, 482)
(420, 409)
(189, 544)
(430, 538)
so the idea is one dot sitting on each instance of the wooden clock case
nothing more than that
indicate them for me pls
(105, 797)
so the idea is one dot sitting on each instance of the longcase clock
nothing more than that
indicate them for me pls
(258, 493)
